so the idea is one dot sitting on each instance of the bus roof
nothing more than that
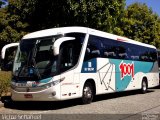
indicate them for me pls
(55, 31)
(63, 30)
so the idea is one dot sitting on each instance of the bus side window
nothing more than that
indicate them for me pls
(93, 49)
(109, 48)
(66, 56)
(153, 55)
(69, 54)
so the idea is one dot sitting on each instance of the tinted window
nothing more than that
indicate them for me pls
(94, 48)
(70, 51)
(108, 48)
(114, 49)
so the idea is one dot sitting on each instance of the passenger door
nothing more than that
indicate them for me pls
(68, 60)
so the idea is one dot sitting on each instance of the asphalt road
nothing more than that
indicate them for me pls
(124, 105)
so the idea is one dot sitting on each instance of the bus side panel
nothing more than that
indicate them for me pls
(69, 87)
(106, 76)
(153, 76)
(119, 75)
(114, 75)
(129, 74)
(102, 72)
(88, 76)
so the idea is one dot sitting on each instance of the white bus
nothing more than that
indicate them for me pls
(79, 62)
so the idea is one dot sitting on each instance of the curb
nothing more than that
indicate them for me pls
(1, 104)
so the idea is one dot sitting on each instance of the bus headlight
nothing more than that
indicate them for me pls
(13, 85)
(56, 82)
(53, 83)
(47, 85)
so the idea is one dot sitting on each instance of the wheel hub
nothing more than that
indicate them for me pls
(87, 92)
(144, 86)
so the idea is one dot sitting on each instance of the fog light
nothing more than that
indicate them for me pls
(54, 93)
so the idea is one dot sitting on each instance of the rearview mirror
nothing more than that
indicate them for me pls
(7, 64)
(58, 42)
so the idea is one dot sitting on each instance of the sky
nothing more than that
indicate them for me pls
(154, 4)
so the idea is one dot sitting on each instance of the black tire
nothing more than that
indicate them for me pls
(7, 102)
(88, 93)
(144, 86)
(6, 99)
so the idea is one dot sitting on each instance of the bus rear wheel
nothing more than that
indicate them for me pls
(88, 93)
(144, 86)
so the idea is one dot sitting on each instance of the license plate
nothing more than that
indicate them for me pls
(28, 96)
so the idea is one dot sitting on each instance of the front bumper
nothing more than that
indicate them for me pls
(49, 94)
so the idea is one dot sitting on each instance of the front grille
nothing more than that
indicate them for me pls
(36, 89)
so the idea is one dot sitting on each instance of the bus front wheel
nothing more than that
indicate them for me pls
(88, 93)
(144, 86)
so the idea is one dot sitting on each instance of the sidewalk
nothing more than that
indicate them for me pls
(1, 104)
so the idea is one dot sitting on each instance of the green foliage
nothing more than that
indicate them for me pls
(47, 14)
(12, 26)
(141, 24)
(99, 14)
(4, 83)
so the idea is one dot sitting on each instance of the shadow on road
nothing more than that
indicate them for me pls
(65, 104)
(36, 105)
(118, 95)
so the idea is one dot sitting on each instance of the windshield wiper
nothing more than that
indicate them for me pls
(22, 71)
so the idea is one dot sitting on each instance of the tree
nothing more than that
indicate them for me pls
(99, 14)
(12, 26)
(141, 24)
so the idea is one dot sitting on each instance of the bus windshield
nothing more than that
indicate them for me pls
(35, 59)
